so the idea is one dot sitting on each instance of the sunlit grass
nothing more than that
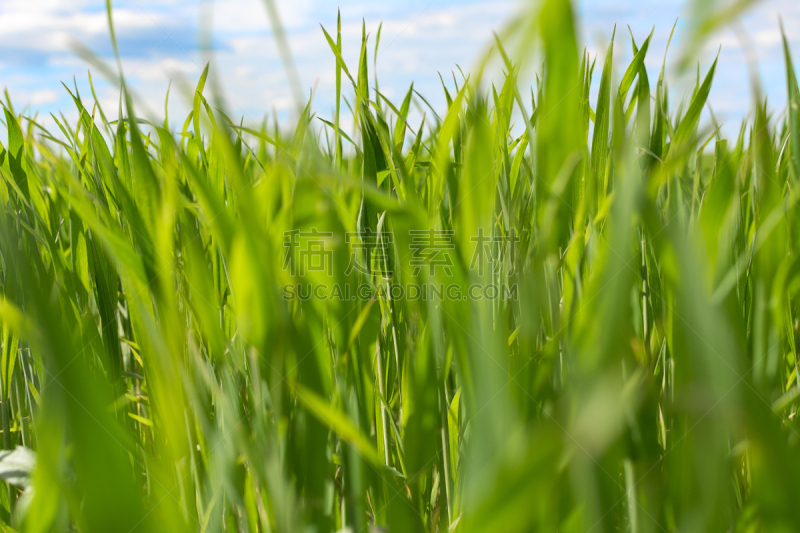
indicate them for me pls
(162, 363)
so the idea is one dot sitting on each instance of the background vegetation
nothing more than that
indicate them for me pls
(155, 379)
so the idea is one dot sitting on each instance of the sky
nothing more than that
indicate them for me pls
(163, 40)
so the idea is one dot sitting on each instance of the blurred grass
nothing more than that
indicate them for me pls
(645, 378)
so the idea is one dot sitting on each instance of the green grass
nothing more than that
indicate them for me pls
(644, 378)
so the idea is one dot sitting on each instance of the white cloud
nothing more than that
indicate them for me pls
(51, 31)
(166, 68)
(43, 96)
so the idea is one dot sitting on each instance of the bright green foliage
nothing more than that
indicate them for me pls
(640, 374)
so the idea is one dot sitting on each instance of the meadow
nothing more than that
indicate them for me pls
(532, 311)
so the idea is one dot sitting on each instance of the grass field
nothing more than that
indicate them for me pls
(531, 312)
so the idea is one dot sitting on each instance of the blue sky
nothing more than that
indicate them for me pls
(160, 40)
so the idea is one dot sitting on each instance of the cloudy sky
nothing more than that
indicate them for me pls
(163, 40)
